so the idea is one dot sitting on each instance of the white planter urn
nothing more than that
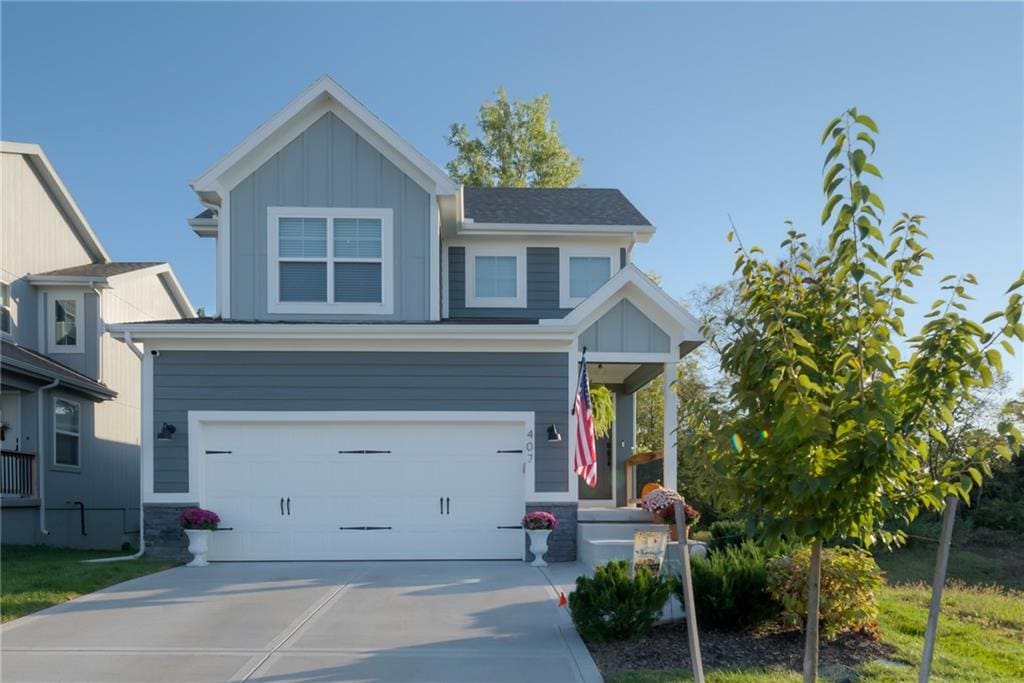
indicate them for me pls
(538, 545)
(198, 545)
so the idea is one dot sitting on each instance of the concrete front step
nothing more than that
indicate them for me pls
(595, 552)
(622, 515)
(597, 531)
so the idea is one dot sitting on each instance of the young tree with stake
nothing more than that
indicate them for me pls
(829, 422)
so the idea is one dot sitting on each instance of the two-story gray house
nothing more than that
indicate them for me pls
(394, 359)
(69, 392)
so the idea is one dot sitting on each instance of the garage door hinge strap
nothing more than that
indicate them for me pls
(218, 452)
(516, 450)
(363, 452)
(363, 528)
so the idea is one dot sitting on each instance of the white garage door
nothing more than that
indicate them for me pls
(365, 491)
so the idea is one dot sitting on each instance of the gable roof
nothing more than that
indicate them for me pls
(99, 274)
(38, 160)
(323, 95)
(551, 206)
(633, 285)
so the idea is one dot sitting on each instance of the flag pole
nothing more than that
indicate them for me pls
(579, 371)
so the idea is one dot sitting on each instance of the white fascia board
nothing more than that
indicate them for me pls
(367, 124)
(99, 282)
(639, 233)
(631, 283)
(38, 159)
(204, 227)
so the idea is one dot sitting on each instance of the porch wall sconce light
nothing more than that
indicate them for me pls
(166, 432)
(553, 435)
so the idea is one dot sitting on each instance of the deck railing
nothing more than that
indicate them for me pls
(17, 474)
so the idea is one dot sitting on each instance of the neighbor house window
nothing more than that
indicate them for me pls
(5, 308)
(330, 260)
(66, 428)
(66, 323)
(496, 276)
(583, 270)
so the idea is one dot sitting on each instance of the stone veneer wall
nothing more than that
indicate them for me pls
(562, 541)
(165, 539)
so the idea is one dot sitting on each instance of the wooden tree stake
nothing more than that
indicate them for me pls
(938, 583)
(813, 602)
(691, 611)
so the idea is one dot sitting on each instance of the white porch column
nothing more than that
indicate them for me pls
(670, 461)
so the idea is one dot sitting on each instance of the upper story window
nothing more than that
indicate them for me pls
(66, 312)
(66, 429)
(6, 321)
(330, 260)
(583, 271)
(496, 277)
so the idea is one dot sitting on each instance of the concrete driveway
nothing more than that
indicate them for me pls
(307, 621)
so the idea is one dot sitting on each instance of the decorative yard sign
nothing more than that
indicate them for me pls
(649, 550)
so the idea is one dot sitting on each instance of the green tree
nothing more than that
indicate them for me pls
(829, 422)
(519, 146)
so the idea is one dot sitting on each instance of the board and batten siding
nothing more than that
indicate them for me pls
(625, 329)
(541, 287)
(329, 165)
(349, 380)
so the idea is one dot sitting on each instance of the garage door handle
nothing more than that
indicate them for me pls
(364, 528)
(441, 501)
(282, 506)
(289, 504)
(512, 526)
(448, 505)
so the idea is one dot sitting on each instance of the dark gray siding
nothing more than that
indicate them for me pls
(329, 165)
(541, 287)
(266, 380)
(625, 328)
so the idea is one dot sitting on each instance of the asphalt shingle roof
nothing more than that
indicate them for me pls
(551, 206)
(100, 269)
(17, 357)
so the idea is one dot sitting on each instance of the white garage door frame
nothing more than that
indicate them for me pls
(198, 419)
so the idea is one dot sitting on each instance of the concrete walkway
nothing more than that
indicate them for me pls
(310, 621)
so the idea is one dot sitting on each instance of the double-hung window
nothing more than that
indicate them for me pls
(496, 277)
(66, 311)
(6, 321)
(583, 271)
(66, 430)
(330, 260)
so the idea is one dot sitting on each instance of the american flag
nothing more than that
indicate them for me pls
(585, 453)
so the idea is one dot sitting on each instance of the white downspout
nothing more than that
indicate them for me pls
(41, 463)
(142, 529)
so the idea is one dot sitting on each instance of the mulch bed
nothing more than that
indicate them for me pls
(665, 648)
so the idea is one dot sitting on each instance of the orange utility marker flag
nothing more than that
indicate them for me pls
(562, 602)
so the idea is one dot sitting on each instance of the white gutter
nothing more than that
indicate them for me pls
(142, 529)
(41, 462)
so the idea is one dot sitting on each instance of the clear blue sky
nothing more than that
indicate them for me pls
(693, 110)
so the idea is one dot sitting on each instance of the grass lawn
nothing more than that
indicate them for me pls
(981, 629)
(35, 577)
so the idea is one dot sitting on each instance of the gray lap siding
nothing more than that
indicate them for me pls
(347, 380)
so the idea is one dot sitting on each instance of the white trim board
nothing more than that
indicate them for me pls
(565, 299)
(482, 250)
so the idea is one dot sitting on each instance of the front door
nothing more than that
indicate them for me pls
(603, 490)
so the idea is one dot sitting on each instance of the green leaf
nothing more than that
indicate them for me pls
(828, 129)
(729, 236)
(975, 475)
(864, 137)
(857, 160)
(874, 199)
(829, 206)
(995, 359)
(872, 169)
(867, 122)
(831, 175)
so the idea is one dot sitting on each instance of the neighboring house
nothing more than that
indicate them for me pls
(69, 392)
(394, 359)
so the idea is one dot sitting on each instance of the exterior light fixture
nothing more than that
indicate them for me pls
(553, 435)
(166, 432)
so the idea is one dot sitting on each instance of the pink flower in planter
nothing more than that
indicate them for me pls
(535, 521)
(198, 518)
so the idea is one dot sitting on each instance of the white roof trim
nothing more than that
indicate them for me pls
(630, 283)
(641, 233)
(380, 135)
(65, 201)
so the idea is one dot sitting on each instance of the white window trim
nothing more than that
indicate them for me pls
(77, 435)
(10, 310)
(519, 253)
(387, 261)
(565, 253)
(51, 323)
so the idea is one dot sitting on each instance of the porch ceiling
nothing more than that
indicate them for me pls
(630, 377)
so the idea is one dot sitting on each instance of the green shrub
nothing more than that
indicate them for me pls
(849, 578)
(612, 605)
(1004, 515)
(727, 534)
(730, 587)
